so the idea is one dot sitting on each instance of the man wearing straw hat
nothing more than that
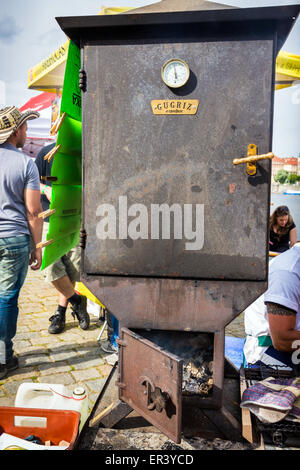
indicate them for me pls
(19, 209)
(65, 271)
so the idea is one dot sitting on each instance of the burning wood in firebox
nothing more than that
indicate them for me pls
(197, 380)
(196, 351)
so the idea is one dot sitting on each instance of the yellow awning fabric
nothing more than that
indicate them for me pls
(287, 70)
(114, 10)
(49, 74)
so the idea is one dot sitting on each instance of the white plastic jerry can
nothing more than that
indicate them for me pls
(52, 396)
(80, 403)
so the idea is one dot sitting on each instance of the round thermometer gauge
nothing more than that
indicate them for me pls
(175, 73)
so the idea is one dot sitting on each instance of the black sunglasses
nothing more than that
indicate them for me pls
(282, 210)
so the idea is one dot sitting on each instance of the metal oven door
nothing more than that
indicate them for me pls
(150, 381)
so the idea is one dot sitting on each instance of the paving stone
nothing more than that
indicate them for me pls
(23, 329)
(86, 349)
(69, 336)
(22, 373)
(64, 379)
(63, 355)
(32, 308)
(79, 364)
(11, 388)
(62, 347)
(29, 336)
(72, 358)
(7, 400)
(54, 368)
(85, 374)
(111, 359)
(96, 385)
(21, 346)
(92, 397)
(44, 331)
(42, 341)
(34, 360)
(33, 350)
(90, 353)
(105, 370)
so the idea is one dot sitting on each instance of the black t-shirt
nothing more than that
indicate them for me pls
(280, 243)
(44, 170)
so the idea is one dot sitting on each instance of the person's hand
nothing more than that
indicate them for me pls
(48, 193)
(35, 260)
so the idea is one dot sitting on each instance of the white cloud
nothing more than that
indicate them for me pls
(16, 93)
(9, 30)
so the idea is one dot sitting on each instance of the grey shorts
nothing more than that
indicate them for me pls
(68, 265)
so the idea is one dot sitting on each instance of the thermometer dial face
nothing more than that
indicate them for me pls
(175, 73)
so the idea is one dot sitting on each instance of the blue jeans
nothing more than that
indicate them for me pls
(14, 258)
(112, 328)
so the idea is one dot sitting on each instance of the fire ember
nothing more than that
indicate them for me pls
(197, 380)
(196, 351)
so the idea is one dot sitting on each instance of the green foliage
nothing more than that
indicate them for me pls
(284, 177)
(292, 178)
(281, 176)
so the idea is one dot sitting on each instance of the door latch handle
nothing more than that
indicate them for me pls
(155, 398)
(252, 158)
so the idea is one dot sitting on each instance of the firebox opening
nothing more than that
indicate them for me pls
(195, 349)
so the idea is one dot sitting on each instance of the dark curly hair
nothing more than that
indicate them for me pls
(278, 212)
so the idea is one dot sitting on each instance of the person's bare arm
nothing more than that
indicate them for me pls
(47, 191)
(33, 208)
(293, 236)
(282, 322)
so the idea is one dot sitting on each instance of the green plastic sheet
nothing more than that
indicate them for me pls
(64, 224)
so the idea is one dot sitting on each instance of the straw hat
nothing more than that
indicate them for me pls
(11, 119)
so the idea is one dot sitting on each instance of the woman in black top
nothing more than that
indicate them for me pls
(283, 232)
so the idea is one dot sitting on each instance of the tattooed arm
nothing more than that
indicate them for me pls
(282, 321)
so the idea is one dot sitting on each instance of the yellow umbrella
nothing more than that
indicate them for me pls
(49, 74)
(287, 70)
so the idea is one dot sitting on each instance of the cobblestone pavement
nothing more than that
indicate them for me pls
(71, 358)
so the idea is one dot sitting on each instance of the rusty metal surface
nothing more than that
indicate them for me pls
(157, 282)
(150, 382)
(230, 20)
(180, 160)
(193, 348)
(174, 304)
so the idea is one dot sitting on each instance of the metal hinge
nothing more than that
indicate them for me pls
(82, 238)
(82, 80)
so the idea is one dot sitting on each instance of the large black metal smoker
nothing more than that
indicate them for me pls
(141, 147)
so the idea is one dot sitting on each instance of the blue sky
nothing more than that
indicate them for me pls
(29, 33)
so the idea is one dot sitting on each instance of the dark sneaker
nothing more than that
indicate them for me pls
(79, 312)
(11, 365)
(58, 321)
(3, 371)
(108, 347)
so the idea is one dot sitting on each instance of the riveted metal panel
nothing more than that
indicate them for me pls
(151, 382)
(136, 161)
